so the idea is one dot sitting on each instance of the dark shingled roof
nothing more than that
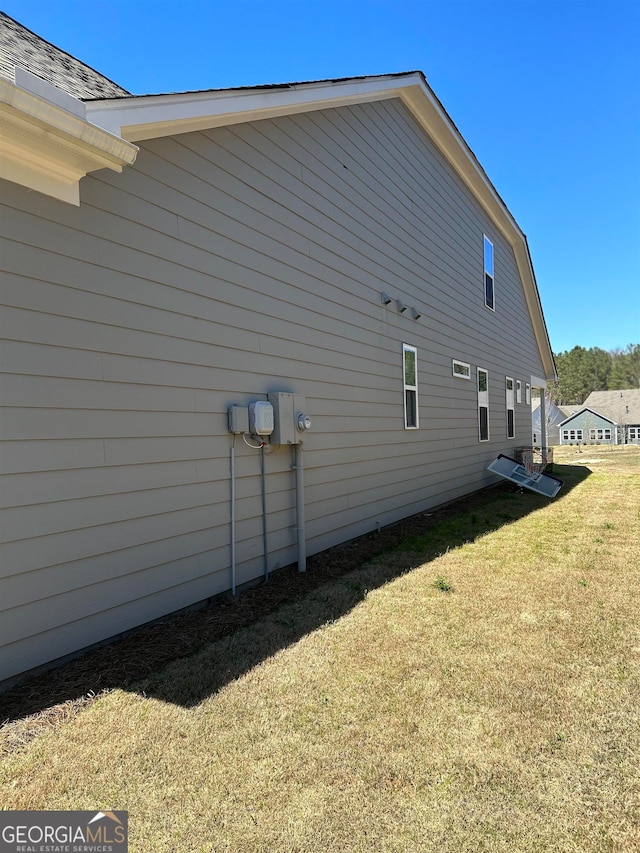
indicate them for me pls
(19, 46)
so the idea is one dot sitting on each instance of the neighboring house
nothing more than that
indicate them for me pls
(554, 416)
(607, 417)
(169, 256)
(587, 427)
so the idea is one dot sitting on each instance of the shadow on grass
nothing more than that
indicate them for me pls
(186, 658)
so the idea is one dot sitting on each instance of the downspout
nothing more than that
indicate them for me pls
(300, 531)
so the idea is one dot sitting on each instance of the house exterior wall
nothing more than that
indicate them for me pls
(224, 265)
(588, 427)
(553, 417)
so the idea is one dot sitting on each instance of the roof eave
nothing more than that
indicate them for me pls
(152, 116)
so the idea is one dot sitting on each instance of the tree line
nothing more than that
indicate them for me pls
(581, 371)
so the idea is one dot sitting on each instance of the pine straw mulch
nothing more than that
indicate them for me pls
(48, 699)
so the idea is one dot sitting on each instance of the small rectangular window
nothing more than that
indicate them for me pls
(410, 374)
(483, 405)
(518, 391)
(461, 369)
(511, 428)
(527, 394)
(489, 300)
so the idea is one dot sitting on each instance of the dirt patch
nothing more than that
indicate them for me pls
(52, 697)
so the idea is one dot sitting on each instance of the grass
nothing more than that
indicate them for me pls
(503, 715)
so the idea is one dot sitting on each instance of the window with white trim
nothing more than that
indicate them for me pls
(483, 405)
(633, 433)
(410, 379)
(527, 394)
(461, 370)
(572, 435)
(489, 297)
(600, 434)
(518, 391)
(511, 420)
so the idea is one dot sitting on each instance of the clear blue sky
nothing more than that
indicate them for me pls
(545, 92)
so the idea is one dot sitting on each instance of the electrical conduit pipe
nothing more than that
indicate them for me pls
(300, 531)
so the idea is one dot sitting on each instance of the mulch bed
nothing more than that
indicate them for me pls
(47, 699)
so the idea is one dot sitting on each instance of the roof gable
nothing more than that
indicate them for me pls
(153, 116)
(584, 411)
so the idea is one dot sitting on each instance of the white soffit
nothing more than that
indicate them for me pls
(46, 142)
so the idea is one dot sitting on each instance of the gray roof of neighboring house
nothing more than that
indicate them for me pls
(567, 411)
(621, 406)
(19, 46)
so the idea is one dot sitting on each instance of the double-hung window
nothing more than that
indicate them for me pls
(410, 377)
(483, 405)
(511, 426)
(489, 296)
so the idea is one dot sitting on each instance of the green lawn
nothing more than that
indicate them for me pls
(485, 698)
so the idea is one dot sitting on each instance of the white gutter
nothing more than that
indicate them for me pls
(46, 141)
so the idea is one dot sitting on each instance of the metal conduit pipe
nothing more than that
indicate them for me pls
(232, 463)
(300, 531)
(264, 517)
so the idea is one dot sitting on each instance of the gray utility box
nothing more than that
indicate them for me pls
(238, 419)
(286, 408)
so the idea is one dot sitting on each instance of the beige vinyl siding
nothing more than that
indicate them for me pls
(226, 264)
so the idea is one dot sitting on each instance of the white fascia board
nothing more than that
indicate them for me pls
(153, 116)
(46, 142)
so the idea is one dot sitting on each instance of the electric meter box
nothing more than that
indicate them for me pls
(287, 408)
(260, 418)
